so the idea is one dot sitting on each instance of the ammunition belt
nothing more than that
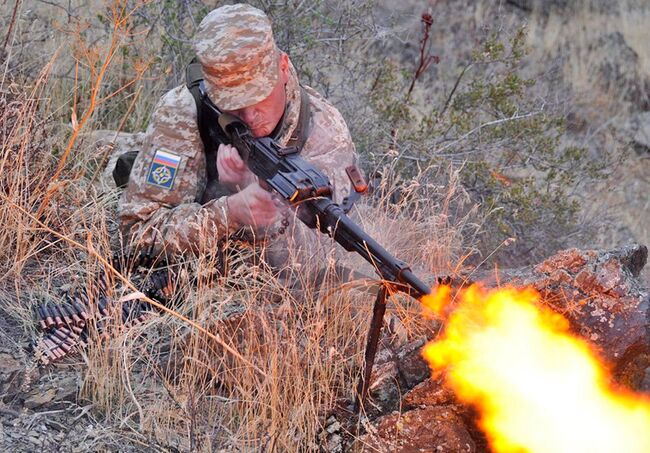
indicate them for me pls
(65, 325)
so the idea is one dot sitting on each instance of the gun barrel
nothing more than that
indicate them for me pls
(347, 233)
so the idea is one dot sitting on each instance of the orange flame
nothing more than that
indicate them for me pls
(538, 388)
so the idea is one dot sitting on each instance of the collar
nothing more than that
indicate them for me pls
(288, 123)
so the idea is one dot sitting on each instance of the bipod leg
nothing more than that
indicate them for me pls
(371, 346)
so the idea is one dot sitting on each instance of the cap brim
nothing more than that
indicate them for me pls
(237, 97)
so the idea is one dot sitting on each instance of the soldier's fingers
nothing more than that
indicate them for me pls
(265, 217)
(263, 197)
(220, 160)
(222, 168)
(237, 161)
(233, 159)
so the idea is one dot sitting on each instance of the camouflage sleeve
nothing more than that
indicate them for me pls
(158, 210)
(329, 146)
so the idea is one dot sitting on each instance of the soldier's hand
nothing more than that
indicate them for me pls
(233, 172)
(252, 206)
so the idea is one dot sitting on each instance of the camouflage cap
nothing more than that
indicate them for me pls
(238, 55)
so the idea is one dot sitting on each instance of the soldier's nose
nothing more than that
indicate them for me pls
(249, 116)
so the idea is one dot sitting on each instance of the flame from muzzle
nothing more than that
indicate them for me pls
(538, 388)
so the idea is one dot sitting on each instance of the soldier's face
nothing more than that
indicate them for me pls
(262, 117)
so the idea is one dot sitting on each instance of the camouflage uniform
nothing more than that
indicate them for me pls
(166, 216)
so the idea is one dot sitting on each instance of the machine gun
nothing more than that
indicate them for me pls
(304, 186)
(301, 184)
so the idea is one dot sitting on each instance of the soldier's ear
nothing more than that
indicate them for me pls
(284, 67)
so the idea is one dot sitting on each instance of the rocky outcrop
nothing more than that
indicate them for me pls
(436, 429)
(615, 66)
(597, 291)
(619, 70)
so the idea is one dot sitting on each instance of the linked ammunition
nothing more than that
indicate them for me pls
(64, 314)
(49, 321)
(102, 306)
(61, 345)
(72, 314)
(56, 315)
(64, 337)
(69, 333)
(76, 303)
(41, 317)
(52, 348)
(77, 320)
(65, 323)
(60, 334)
(83, 299)
(67, 315)
(83, 339)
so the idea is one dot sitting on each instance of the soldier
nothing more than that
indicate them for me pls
(245, 74)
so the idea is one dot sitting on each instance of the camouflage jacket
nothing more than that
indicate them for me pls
(159, 209)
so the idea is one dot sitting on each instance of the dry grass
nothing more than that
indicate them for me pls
(164, 382)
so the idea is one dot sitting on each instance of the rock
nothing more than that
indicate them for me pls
(384, 388)
(413, 369)
(34, 437)
(335, 443)
(597, 291)
(9, 364)
(330, 439)
(333, 425)
(645, 384)
(641, 140)
(428, 394)
(67, 388)
(396, 372)
(420, 430)
(38, 399)
(396, 331)
(619, 69)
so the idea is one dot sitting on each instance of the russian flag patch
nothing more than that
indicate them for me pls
(163, 169)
